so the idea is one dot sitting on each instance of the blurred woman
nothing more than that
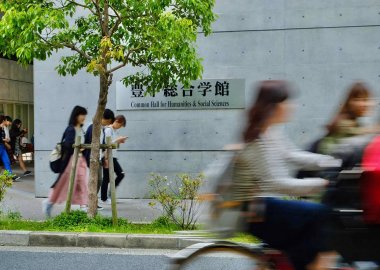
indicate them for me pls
(16, 134)
(59, 189)
(262, 178)
(346, 122)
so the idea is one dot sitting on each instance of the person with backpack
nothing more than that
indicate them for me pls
(112, 131)
(16, 134)
(108, 119)
(58, 192)
(261, 179)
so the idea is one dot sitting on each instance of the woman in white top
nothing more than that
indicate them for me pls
(112, 131)
(261, 174)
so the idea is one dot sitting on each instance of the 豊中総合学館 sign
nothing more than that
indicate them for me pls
(201, 94)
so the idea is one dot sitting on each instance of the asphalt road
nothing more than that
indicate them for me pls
(35, 258)
(32, 258)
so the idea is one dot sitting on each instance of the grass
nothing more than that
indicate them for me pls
(77, 221)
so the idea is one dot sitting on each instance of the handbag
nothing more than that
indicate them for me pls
(55, 158)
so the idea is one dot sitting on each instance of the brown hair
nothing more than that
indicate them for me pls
(270, 94)
(357, 90)
(121, 119)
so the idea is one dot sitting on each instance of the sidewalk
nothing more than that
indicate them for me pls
(21, 198)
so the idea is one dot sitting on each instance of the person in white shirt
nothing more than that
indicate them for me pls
(107, 119)
(112, 131)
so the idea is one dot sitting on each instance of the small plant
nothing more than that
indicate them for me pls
(71, 219)
(178, 198)
(5, 183)
(14, 215)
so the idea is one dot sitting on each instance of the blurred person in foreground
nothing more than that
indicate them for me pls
(345, 126)
(261, 178)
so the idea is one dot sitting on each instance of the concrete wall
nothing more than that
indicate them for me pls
(16, 82)
(321, 45)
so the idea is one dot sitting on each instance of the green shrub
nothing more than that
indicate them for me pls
(72, 219)
(162, 221)
(14, 215)
(79, 219)
(5, 183)
(178, 198)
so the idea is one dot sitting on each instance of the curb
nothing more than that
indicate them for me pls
(94, 240)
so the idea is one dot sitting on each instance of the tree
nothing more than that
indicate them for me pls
(157, 37)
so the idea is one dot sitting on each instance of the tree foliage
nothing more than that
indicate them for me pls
(155, 36)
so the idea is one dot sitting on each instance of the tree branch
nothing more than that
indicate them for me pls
(99, 15)
(125, 62)
(67, 45)
(81, 5)
(74, 48)
(118, 21)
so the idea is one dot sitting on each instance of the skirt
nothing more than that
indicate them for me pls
(58, 194)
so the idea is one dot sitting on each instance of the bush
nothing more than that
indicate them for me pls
(71, 219)
(80, 218)
(5, 183)
(14, 215)
(178, 198)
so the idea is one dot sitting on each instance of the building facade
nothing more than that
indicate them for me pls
(320, 45)
(16, 92)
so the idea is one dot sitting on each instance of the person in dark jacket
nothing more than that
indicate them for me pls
(108, 119)
(16, 134)
(59, 189)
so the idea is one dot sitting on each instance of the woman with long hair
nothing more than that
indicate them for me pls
(59, 189)
(262, 178)
(16, 134)
(346, 122)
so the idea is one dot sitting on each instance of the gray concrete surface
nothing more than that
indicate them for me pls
(16, 258)
(95, 240)
(21, 258)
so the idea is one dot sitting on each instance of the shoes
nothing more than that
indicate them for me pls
(108, 201)
(100, 208)
(83, 208)
(16, 178)
(27, 173)
(47, 207)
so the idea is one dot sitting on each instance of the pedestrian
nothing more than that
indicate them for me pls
(8, 124)
(58, 192)
(346, 123)
(261, 179)
(112, 131)
(16, 134)
(3, 148)
(108, 119)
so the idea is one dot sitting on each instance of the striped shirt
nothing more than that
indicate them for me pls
(262, 168)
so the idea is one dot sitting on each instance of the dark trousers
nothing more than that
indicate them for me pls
(5, 158)
(106, 178)
(100, 176)
(295, 227)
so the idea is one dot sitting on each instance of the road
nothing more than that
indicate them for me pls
(38, 258)
(33, 258)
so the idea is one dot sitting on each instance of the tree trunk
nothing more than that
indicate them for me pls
(95, 146)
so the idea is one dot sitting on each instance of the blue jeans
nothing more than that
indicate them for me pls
(295, 227)
(5, 158)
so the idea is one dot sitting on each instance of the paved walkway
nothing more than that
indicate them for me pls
(21, 198)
